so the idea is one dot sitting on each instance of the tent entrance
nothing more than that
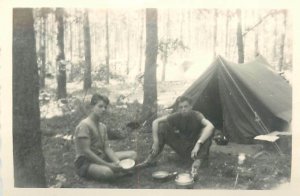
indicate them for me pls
(210, 103)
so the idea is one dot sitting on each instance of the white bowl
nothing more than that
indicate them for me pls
(127, 163)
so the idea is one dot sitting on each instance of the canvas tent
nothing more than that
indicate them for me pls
(243, 100)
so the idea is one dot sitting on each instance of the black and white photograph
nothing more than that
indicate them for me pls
(150, 97)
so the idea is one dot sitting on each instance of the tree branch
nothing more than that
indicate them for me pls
(260, 21)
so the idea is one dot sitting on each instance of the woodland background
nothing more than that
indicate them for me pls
(142, 59)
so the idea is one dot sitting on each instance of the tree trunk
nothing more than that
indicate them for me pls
(256, 38)
(256, 48)
(52, 42)
(215, 33)
(141, 41)
(128, 45)
(60, 58)
(165, 61)
(47, 38)
(256, 32)
(282, 43)
(79, 33)
(275, 40)
(87, 51)
(181, 25)
(239, 35)
(107, 48)
(43, 54)
(118, 43)
(71, 40)
(189, 27)
(71, 52)
(29, 163)
(226, 33)
(149, 110)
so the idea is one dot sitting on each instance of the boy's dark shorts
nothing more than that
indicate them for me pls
(82, 165)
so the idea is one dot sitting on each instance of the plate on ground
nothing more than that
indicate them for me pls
(127, 163)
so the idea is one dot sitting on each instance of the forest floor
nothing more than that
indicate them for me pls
(58, 120)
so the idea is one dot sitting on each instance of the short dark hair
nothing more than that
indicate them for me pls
(181, 99)
(97, 97)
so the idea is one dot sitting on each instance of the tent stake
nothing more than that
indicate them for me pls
(236, 180)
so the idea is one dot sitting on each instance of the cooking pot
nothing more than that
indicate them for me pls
(184, 181)
(163, 175)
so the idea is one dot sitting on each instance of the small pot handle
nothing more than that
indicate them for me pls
(172, 174)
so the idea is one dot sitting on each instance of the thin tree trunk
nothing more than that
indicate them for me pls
(71, 52)
(87, 83)
(60, 58)
(189, 27)
(181, 25)
(118, 42)
(29, 163)
(149, 110)
(256, 48)
(107, 48)
(256, 44)
(275, 39)
(71, 40)
(39, 44)
(79, 38)
(165, 61)
(239, 35)
(75, 44)
(43, 53)
(128, 45)
(47, 42)
(215, 33)
(141, 41)
(281, 48)
(226, 33)
(93, 43)
(53, 48)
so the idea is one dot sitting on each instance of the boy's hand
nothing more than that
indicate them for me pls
(195, 151)
(115, 167)
(155, 147)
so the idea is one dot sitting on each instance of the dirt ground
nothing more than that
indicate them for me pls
(266, 171)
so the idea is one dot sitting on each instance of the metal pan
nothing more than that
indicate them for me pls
(163, 175)
(184, 181)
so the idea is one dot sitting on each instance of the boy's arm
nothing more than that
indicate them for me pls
(84, 144)
(155, 124)
(207, 131)
(107, 149)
